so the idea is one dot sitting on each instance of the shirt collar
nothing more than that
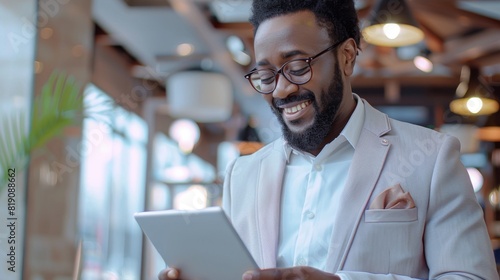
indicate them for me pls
(351, 131)
(353, 128)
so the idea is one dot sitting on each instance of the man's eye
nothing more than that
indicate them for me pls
(267, 81)
(300, 71)
(267, 78)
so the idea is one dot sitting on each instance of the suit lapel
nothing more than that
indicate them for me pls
(268, 210)
(369, 157)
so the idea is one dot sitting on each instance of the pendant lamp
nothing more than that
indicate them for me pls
(423, 62)
(473, 96)
(391, 24)
(204, 97)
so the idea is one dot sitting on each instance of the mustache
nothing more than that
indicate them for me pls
(294, 98)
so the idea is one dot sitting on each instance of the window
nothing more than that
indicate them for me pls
(113, 174)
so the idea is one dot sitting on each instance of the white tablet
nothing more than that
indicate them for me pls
(202, 244)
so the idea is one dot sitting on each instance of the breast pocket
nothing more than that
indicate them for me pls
(387, 241)
(391, 215)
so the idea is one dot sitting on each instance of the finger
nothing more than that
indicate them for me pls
(168, 274)
(291, 273)
(272, 274)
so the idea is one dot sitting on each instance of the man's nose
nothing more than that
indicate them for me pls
(283, 87)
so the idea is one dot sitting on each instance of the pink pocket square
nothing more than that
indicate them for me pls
(393, 198)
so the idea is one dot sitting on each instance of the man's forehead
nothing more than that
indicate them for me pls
(287, 23)
(290, 32)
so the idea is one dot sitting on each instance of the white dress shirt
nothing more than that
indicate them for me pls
(311, 191)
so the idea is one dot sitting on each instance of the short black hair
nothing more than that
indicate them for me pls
(339, 17)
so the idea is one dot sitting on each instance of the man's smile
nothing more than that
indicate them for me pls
(297, 108)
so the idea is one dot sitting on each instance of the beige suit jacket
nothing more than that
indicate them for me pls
(443, 237)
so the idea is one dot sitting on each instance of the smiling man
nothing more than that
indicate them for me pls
(315, 113)
(329, 199)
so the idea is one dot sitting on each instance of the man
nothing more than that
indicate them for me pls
(346, 193)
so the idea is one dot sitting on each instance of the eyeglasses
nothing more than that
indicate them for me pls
(297, 71)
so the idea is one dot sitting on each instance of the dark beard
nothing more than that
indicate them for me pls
(313, 137)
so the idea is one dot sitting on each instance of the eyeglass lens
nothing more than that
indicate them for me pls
(295, 71)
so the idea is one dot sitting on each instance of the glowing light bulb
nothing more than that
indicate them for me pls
(494, 198)
(391, 30)
(423, 64)
(474, 104)
(186, 132)
(476, 178)
(185, 49)
(195, 197)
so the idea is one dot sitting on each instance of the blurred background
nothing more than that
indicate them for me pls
(166, 107)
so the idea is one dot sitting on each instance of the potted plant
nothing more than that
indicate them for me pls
(59, 105)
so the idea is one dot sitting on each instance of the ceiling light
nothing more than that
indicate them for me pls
(422, 62)
(185, 49)
(473, 96)
(392, 25)
(236, 47)
(476, 178)
(186, 133)
(195, 197)
(242, 58)
(234, 43)
(494, 198)
(46, 33)
(205, 97)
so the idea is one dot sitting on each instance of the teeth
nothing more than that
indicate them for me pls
(297, 108)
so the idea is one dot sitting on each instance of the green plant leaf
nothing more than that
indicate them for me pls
(59, 105)
(12, 143)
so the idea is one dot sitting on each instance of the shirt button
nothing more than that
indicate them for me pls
(317, 167)
(310, 215)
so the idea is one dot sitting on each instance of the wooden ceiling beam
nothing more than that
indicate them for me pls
(232, 25)
(240, 29)
(491, 59)
(450, 9)
(467, 49)
(380, 81)
(433, 41)
(364, 12)
(169, 58)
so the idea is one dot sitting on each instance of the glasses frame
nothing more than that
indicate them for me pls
(308, 60)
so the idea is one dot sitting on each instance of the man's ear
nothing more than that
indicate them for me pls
(349, 50)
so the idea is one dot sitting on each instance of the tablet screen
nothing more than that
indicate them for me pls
(202, 244)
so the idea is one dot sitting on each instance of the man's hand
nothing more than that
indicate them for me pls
(168, 274)
(291, 273)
